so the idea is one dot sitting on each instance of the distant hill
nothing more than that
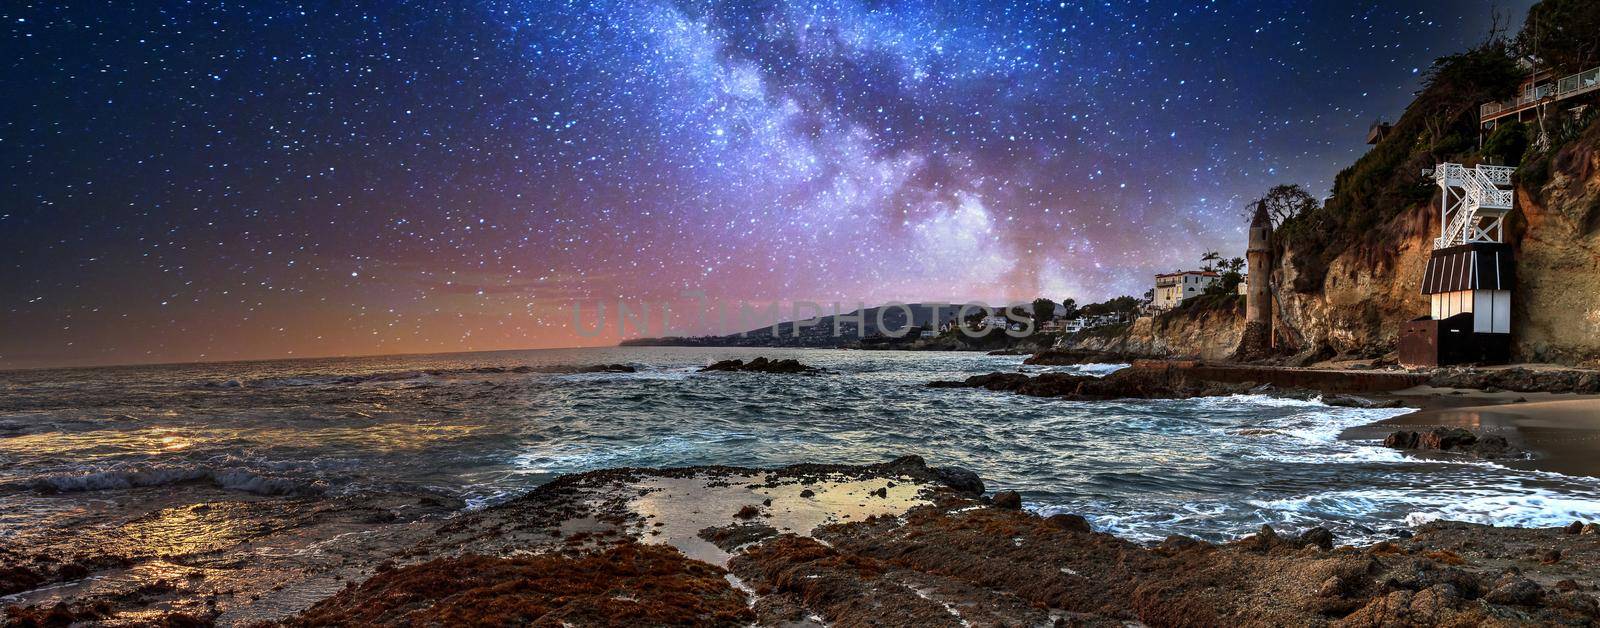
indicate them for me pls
(819, 335)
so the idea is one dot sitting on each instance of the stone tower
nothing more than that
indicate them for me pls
(1258, 298)
(1257, 340)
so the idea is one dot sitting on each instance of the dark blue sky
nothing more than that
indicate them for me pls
(228, 180)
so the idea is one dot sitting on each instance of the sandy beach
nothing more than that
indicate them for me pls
(1562, 431)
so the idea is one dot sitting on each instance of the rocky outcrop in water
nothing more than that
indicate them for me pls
(1133, 383)
(1453, 440)
(762, 365)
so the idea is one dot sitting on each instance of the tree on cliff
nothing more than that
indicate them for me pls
(1286, 202)
(1564, 34)
(1043, 310)
(1070, 307)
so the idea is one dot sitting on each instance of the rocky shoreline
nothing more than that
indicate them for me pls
(898, 543)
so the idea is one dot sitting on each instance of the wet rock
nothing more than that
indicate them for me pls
(1452, 439)
(761, 365)
(962, 480)
(1318, 536)
(1353, 401)
(731, 537)
(1009, 500)
(1075, 523)
(1447, 438)
(1401, 439)
(608, 368)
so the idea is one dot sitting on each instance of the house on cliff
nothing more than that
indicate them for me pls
(1539, 88)
(1172, 289)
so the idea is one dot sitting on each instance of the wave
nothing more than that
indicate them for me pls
(140, 476)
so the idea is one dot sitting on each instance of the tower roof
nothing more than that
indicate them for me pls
(1260, 218)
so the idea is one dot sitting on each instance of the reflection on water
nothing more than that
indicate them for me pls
(474, 427)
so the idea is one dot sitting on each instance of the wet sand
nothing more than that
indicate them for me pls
(1561, 430)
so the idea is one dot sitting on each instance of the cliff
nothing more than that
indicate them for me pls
(1372, 286)
(1208, 330)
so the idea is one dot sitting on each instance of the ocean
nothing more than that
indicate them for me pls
(471, 429)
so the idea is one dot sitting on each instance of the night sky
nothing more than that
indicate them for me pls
(213, 181)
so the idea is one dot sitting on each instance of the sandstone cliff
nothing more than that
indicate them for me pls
(1372, 287)
(1208, 333)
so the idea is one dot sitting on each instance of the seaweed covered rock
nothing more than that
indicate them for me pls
(629, 584)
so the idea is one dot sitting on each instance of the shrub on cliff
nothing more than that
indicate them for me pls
(1563, 33)
(1439, 125)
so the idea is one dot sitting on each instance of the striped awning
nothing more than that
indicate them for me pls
(1477, 266)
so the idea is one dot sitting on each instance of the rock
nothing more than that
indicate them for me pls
(962, 480)
(882, 492)
(1177, 543)
(808, 493)
(1009, 500)
(1575, 602)
(1515, 590)
(1575, 527)
(1066, 521)
(607, 368)
(748, 512)
(1432, 602)
(1334, 587)
(1447, 439)
(1591, 528)
(1491, 446)
(1318, 536)
(1550, 557)
(1352, 401)
(761, 365)
(1401, 440)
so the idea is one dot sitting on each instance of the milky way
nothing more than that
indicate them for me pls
(219, 181)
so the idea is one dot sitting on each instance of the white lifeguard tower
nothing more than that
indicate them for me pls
(1469, 276)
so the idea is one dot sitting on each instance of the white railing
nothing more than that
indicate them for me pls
(1565, 87)
(1479, 189)
(1497, 175)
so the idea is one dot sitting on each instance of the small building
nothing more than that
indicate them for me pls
(1377, 132)
(997, 321)
(1172, 289)
(1470, 274)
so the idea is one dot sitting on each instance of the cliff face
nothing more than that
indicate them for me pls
(1556, 310)
(1210, 334)
(1370, 290)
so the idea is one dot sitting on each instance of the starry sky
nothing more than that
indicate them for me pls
(233, 180)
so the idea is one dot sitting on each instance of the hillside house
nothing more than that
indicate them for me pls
(1541, 87)
(1172, 289)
